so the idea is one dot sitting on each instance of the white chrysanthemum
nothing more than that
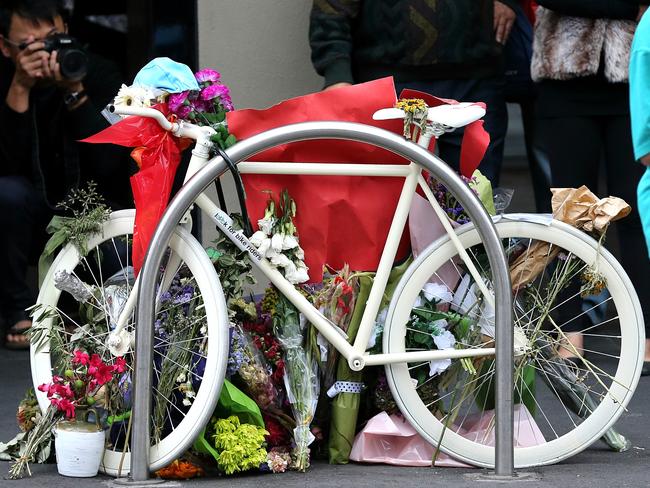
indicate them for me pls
(133, 96)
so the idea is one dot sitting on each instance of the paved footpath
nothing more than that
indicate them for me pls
(595, 467)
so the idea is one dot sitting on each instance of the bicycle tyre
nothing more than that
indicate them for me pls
(181, 436)
(577, 437)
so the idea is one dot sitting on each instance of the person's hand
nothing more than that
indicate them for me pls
(504, 18)
(29, 64)
(645, 160)
(642, 9)
(337, 85)
(52, 71)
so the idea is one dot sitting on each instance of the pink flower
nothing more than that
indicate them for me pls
(227, 103)
(214, 91)
(80, 357)
(202, 105)
(95, 363)
(177, 101)
(119, 365)
(207, 75)
(104, 374)
(65, 405)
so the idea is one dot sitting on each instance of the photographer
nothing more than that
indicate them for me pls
(52, 94)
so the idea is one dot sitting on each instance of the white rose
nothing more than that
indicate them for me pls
(266, 225)
(264, 246)
(445, 340)
(257, 238)
(299, 253)
(276, 242)
(280, 261)
(438, 292)
(296, 274)
(438, 366)
(289, 242)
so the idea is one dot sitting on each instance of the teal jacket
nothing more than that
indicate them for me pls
(640, 114)
(412, 40)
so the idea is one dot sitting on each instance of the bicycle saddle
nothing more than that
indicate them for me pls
(458, 115)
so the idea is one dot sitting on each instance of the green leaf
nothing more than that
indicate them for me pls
(230, 141)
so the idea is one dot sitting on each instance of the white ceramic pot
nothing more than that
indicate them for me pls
(79, 448)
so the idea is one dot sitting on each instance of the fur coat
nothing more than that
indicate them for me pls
(567, 47)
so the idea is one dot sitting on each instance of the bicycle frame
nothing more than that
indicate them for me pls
(242, 151)
(354, 353)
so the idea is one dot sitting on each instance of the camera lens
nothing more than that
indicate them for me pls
(73, 64)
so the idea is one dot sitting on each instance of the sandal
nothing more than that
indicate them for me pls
(16, 337)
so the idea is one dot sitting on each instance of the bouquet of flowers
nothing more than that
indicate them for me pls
(80, 385)
(277, 241)
(245, 361)
(301, 378)
(240, 446)
(203, 100)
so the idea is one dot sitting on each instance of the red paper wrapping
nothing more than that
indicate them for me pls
(340, 219)
(157, 153)
(475, 138)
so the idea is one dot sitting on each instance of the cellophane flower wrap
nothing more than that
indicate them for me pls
(247, 362)
(300, 378)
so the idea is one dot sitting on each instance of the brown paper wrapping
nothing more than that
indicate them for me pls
(583, 210)
(578, 207)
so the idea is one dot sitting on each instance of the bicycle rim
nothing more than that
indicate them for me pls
(561, 407)
(188, 369)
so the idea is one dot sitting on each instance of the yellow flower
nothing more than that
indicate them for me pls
(411, 105)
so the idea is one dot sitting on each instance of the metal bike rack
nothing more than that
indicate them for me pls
(504, 453)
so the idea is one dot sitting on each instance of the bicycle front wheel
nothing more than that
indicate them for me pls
(78, 307)
(562, 281)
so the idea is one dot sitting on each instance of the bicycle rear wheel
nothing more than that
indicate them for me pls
(190, 340)
(561, 406)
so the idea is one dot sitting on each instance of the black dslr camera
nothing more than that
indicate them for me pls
(70, 55)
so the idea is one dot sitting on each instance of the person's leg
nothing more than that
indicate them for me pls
(538, 163)
(623, 176)
(21, 211)
(574, 149)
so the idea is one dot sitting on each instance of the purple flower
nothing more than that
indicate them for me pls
(227, 103)
(177, 100)
(214, 91)
(207, 75)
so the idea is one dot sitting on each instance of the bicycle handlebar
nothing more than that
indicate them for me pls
(152, 113)
(180, 129)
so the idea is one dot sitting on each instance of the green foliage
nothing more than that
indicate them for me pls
(232, 264)
(240, 446)
(221, 137)
(87, 212)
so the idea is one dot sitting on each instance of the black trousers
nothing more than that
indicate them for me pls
(24, 215)
(575, 146)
